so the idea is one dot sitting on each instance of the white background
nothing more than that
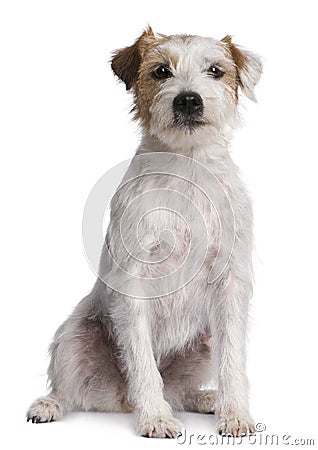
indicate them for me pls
(64, 122)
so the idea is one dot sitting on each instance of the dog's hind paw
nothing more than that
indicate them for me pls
(201, 401)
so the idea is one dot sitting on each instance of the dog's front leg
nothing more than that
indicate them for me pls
(145, 385)
(231, 311)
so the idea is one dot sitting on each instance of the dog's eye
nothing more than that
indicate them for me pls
(216, 72)
(161, 73)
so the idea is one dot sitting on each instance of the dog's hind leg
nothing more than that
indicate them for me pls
(185, 375)
(82, 371)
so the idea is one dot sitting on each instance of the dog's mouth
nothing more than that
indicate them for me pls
(189, 124)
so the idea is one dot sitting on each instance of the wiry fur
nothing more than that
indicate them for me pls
(152, 347)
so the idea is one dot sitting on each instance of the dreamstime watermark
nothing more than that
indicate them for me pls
(164, 208)
(257, 438)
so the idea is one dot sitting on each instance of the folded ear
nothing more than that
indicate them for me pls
(248, 65)
(126, 61)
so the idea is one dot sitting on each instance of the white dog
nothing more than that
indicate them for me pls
(168, 312)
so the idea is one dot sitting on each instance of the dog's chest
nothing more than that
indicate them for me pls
(176, 202)
(168, 213)
(179, 318)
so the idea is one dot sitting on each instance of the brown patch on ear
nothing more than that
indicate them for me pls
(126, 61)
(248, 67)
(238, 57)
(125, 64)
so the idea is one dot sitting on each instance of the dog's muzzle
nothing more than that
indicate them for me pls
(188, 109)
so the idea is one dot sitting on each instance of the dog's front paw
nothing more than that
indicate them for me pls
(45, 409)
(236, 425)
(163, 426)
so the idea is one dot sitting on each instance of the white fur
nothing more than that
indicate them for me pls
(176, 265)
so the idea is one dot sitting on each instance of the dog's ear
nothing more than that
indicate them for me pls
(126, 61)
(248, 65)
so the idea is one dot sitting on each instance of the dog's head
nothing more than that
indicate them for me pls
(186, 87)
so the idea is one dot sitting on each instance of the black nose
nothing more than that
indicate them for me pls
(188, 103)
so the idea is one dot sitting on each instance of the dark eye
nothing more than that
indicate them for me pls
(161, 73)
(216, 72)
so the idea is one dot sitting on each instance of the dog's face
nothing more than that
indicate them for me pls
(186, 87)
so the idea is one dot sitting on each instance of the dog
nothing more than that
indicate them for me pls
(167, 315)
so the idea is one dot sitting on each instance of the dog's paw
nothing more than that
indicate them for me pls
(236, 425)
(206, 401)
(45, 409)
(165, 426)
(201, 401)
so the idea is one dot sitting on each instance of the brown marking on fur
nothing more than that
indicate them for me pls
(133, 65)
(146, 87)
(126, 61)
(230, 78)
(238, 58)
(125, 64)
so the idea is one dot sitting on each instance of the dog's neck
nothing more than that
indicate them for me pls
(200, 152)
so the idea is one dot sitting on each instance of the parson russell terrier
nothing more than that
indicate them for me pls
(167, 316)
